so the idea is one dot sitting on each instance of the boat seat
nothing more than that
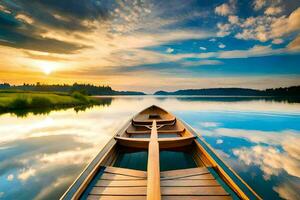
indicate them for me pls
(128, 184)
(149, 122)
(164, 143)
(158, 131)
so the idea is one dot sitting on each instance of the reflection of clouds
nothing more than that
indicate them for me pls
(288, 190)
(255, 136)
(209, 124)
(222, 154)
(46, 153)
(219, 141)
(26, 173)
(42, 162)
(10, 177)
(53, 149)
(270, 160)
(24, 152)
(77, 156)
(60, 182)
(273, 152)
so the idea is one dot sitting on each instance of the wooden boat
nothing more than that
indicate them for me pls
(158, 156)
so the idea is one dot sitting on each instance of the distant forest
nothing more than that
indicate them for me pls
(293, 91)
(87, 89)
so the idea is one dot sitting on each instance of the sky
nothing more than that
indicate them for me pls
(150, 45)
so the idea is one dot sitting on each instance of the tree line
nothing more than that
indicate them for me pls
(87, 89)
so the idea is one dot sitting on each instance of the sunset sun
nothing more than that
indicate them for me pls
(47, 67)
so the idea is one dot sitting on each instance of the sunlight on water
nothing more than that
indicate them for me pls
(257, 138)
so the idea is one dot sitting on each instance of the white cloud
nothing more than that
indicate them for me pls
(267, 27)
(202, 48)
(273, 10)
(25, 18)
(270, 160)
(219, 141)
(26, 173)
(233, 19)
(209, 124)
(169, 50)
(223, 29)
(258, 4)
(222, 46)
(10, 177)
(3, 9)
(255, 51)
(226, 8)
(277, 41)
(288, 190)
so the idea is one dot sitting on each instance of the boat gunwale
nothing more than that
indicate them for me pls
(103, 151)
(217, 165)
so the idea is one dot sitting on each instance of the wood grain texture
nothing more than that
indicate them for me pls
(120, 191)
(188, 183)
(120, 183)
(127, 172)
(108, 176)
(185, 172)
(195, 191)
(98, 197)
(153, 170)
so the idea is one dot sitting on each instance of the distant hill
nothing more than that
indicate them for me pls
(84, 88)
(288, 91)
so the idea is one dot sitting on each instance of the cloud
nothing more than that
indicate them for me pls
(224, 29)
(258, 4)
(270, 160)
(209, 124)
(219, 141)
(273, 152)
(169, 50)
(273, 10)
(295, 44)
(288, 190)
(10, 177)
(40, 44)
(91, 41)
(255, 51)
(222, 46)
(277, 41)
(226, 8)
(233, 19)
(24, 18)
(26, 173)
(268, 27)
(201, 63)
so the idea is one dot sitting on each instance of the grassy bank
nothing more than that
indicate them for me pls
(20, 100)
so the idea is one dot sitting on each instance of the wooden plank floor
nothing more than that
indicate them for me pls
(187, 184)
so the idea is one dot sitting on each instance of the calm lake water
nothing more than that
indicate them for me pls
(42, 154)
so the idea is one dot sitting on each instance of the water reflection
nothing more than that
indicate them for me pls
(45, 153)
(45, 111)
